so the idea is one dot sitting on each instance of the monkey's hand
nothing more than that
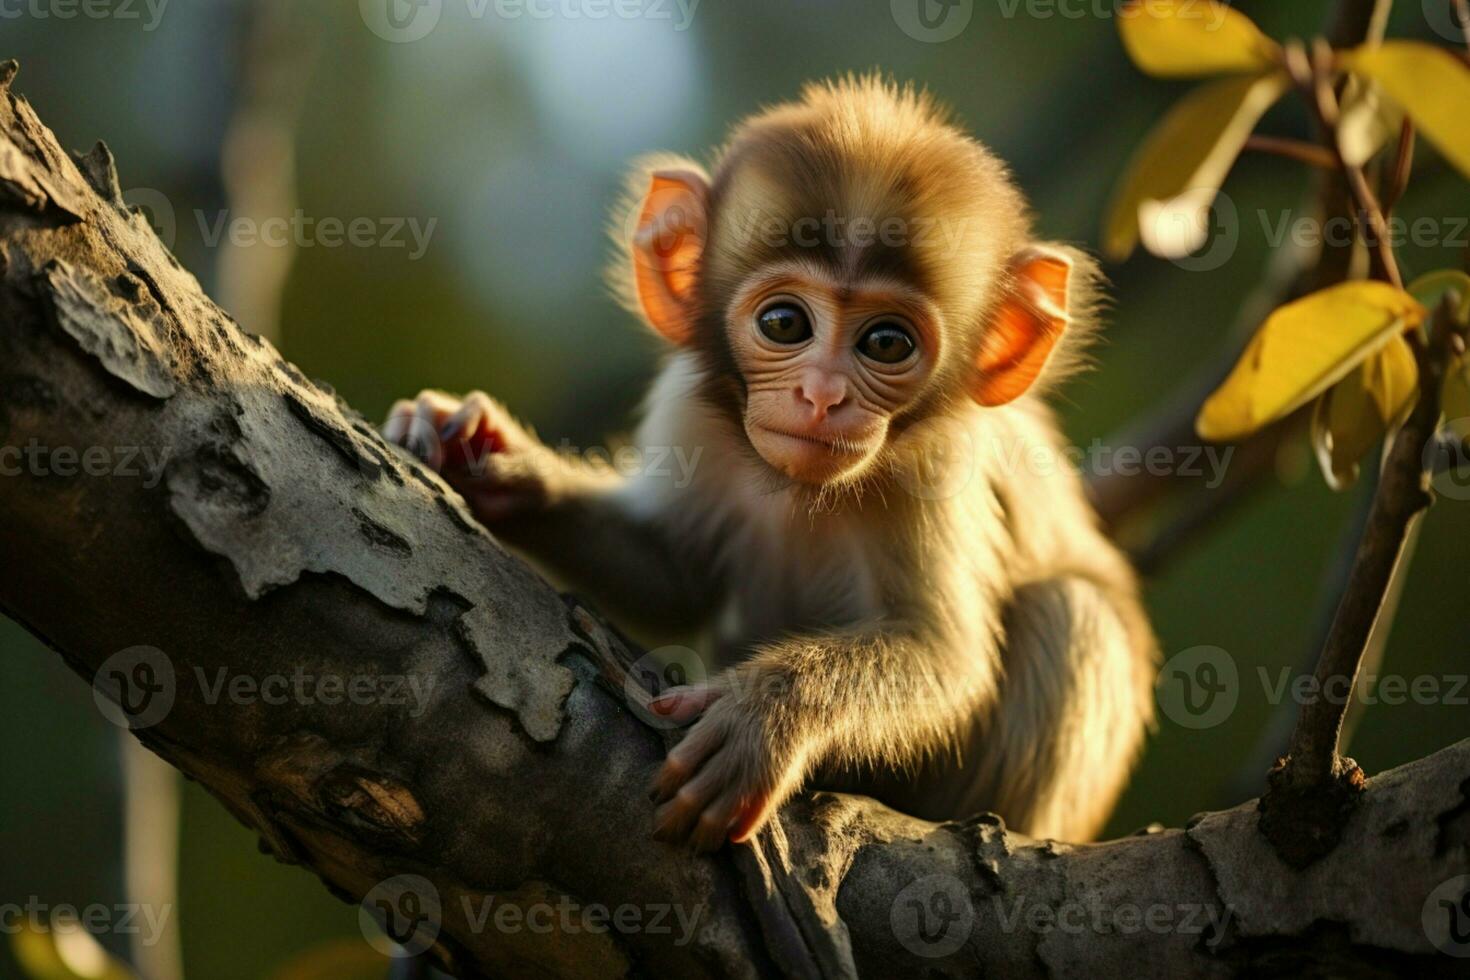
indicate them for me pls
(500, 469)
(732, 770)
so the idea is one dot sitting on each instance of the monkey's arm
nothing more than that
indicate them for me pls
(565, 513)
(588, 537)
(893, 694)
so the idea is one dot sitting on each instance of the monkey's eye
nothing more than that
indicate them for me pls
(886, 343)
(785, 323)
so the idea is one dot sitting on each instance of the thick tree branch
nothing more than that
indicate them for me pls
(500, 752)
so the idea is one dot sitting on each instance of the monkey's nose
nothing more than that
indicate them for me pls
(821, 393)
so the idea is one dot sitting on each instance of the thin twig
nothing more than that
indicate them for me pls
(1313, 791)
(1275, 736)
(1403, 163)
(1378, 640)
(1352, 23)
(1298, 150)
(1313, 76)
(1402, 494)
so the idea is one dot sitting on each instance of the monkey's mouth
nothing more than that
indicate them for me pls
(837, 445)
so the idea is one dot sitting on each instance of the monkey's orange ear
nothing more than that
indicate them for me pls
(1025, 329)
(667, 245)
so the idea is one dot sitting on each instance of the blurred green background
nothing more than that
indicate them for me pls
(511, 133)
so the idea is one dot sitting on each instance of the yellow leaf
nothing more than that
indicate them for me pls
(1303, 348)
(1430, 288)
(1183, 162)
(1357, 412)
(1190, 38)
(1430, 83)
(58, 951)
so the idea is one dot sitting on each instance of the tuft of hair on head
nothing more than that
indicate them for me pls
(867, 147)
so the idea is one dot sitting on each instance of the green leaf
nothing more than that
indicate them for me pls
(1302, 349)
(1430, 288)
(1430, 83)
(1178, 169)
(1356, 413)
(1191, 38)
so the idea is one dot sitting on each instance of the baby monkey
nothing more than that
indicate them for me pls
(906, 592)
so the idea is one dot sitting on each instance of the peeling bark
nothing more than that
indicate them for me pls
(282, 537)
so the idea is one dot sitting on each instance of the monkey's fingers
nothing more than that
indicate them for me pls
(685, 759)
(682, 705)
(714, 823)
(423, 436)
(414, 425)
(466, 420)
(470, 451)
(754, 813)
(480, 426)
(675, 818)
(395, 426)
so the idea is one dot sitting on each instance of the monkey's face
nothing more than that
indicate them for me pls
(818, 344)
(826, 366)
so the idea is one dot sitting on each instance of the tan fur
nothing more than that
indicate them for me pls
(943, 626)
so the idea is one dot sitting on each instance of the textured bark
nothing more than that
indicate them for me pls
(284, 536)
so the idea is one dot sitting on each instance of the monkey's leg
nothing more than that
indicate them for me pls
(1075, 702)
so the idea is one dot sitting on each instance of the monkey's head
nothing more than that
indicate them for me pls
(851, 265)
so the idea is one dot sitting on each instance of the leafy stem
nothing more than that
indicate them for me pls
(1315, 76)
(1313, 786)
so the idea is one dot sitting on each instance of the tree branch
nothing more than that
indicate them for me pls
(1313, 788)
(500, 749)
